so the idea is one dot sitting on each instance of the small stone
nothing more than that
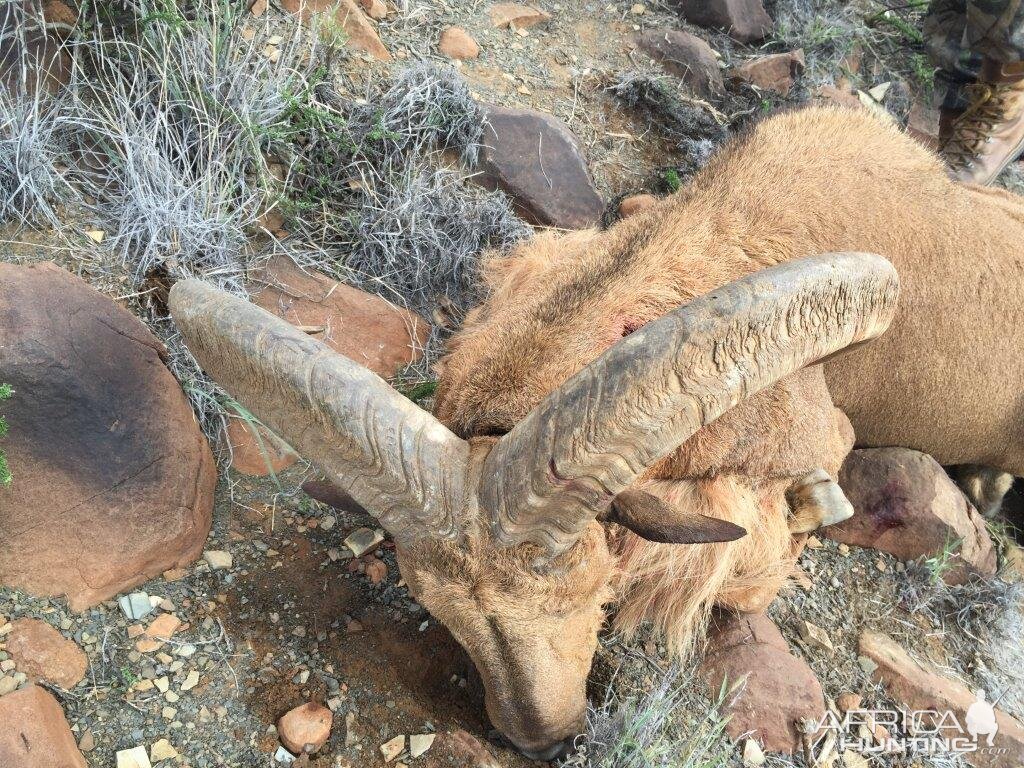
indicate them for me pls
(744, 20)
(328, 522)
(537, 161)
(351, 731)
(420, 743)
(334, 703)
(185, 651)
(6, 665)
(283, 756)
(8, 685)
(136, 605)
(686, 56)
(815, 636)
(88, 741)
(305, 728)
(191, 681)
(393, 748)
(135, 757)
(363, 540)
(516, 16)
(848, 701)
(775, 72)
(168, 713)
(162, 684)
(457, 43)
(162, 750)
(258, 8)
(42, 653)
(376, 571)
(218, 559)
(844, 550)
(175, 574)
(638, 9)
(171, 697)
(753, 755)
(160, 630)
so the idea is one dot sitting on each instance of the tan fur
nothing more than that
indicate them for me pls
(675, 586)
(945, 379)
(531, 632)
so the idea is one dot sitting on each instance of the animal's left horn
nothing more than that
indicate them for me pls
(563, 464)
(394, 458)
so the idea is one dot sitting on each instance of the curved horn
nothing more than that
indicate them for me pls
(394, 458)
(563, 464)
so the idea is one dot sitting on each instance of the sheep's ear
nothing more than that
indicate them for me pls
(655, 520)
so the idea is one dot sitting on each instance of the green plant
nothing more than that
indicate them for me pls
(128, 677)
(898, 23)
(419, 391)
(328, 29)
(923, 71)
(672, 180)
(5, 471)
(940, 563)
(258, 430)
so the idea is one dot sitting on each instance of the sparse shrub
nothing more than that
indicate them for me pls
(174, 115)
(639, 732)
(182, 135)
(372, 189)
(34, 135)
(694, 125)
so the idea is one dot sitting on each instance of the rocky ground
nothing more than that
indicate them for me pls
(161, 609)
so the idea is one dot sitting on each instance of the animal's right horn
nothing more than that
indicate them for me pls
(563, 464)
(394, 458)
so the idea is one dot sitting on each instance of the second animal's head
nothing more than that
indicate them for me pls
(500, 537)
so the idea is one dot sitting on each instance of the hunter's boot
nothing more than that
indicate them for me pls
(989, 134)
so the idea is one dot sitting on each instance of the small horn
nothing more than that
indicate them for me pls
(394, 458)
(591, 438)
(653, 519)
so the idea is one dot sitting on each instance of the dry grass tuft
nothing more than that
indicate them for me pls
(177, 136)
(638, 732)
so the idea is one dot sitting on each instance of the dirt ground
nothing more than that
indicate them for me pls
(296, 618)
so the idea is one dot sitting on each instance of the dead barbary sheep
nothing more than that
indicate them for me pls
(665, 376)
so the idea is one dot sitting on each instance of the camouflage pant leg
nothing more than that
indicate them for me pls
(960, 33)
